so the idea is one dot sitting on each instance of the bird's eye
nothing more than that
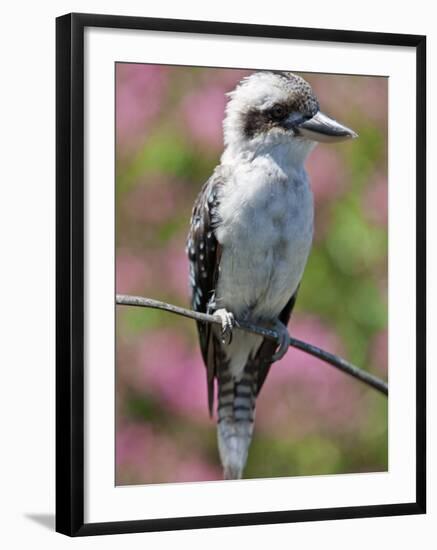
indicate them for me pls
(278, 111)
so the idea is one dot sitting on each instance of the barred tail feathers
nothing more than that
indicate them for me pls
(236, 415)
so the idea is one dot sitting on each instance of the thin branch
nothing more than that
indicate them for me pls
(330, 358)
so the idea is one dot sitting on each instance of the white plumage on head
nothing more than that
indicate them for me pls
(259, 92)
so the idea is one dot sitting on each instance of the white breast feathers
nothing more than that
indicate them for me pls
(266, 232)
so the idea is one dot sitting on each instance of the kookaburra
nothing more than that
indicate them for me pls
(249, 240)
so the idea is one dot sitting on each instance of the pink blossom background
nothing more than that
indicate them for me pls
(311, 419)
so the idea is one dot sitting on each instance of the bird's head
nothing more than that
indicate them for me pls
(278, 108)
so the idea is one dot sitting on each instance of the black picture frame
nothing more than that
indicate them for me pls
(70, 273)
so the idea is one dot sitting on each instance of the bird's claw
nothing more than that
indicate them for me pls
(283, 342)
(228, 322)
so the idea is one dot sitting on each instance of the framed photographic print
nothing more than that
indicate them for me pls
(240, 274)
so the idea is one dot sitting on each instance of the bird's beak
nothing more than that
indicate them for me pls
(322, 128)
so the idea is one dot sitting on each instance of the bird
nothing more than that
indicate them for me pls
(250, 236)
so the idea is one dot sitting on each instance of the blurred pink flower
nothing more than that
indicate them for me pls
(139, 94)
(299, 365)
(131, 440)
(371, 98)
(155, 272)
(303, 393)
(193, 469)
(340, 94)
(132, 273)
(226, 78)
(327, 174)
(332, 92)
(203, 111)
(169, 369)
(175, 268)
(144, 455)
(375, 200)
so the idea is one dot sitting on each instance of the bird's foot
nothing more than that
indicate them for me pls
(228, 322)
(283, 342)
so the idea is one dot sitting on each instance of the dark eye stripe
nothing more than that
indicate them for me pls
(257, 121)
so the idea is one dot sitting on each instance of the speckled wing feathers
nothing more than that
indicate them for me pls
(204, 254)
